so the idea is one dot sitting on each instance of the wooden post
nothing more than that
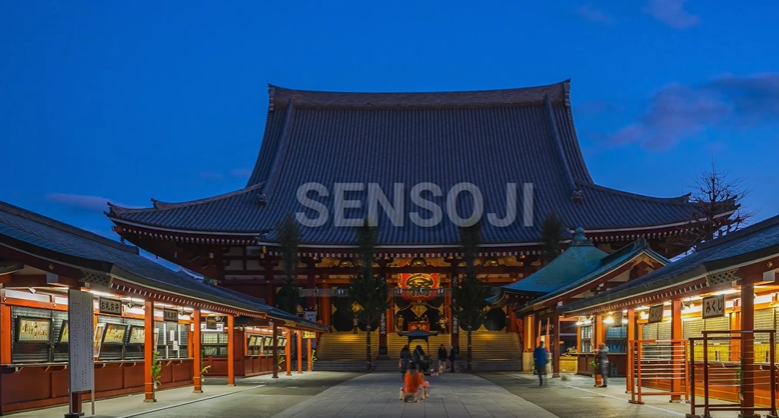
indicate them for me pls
(748, 349)
(231, 350)
(299, 346)
(631, 357)
(677, 348)
(275, 351)
(148, 351)
(556, 346)
(197, 353)
(310, 358)
(288, 352)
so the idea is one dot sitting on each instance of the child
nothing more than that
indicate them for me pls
(414, 385)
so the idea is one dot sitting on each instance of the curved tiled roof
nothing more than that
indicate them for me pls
(751, 243)
(488, 138)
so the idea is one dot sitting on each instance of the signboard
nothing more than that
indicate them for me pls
(81, 365)
(656, 314)
(310, 316)
(110, 306)
(309, 335)
(618, 319)
(713, 307)
(210, 322)
(170, 315)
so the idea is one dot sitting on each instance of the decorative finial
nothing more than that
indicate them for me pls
(579, 237)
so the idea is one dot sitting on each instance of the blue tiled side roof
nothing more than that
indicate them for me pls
(611, 262)
(22, 227)
(579, 259)
(755, 241)
(486, 138)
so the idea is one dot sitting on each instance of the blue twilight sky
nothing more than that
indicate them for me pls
(125, 101)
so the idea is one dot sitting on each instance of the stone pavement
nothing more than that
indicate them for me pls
(457, 395)
(578, 397)
(258, 396)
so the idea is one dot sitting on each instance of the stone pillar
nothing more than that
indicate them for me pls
(148, 351)
(455, 326)
(197, 353)
(230, 350)
(310, 361)
(383, 320)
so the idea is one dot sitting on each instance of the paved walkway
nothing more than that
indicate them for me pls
(577, 396)
(451, 395)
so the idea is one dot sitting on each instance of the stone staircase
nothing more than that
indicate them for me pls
(492, 346)
(345, 351)
(345, 346)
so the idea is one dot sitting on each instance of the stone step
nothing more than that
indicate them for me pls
(392, 366)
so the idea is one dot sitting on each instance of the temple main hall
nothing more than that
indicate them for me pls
(490, 139)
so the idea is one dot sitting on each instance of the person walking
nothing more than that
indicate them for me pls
(452, 358)
(602, 360)
(442, 356)
(540, 358)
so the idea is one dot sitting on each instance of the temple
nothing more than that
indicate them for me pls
(418, 165)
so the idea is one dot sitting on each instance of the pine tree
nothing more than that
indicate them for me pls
(552, 234)
(288, 297)
(368, 289)
(469, 297)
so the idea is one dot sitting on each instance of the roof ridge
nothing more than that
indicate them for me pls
(279, 97)
(160, 205)
(281, 150)
(748, 230)
(70, 229)
(558, 141)
(678, 200)
(588, 177)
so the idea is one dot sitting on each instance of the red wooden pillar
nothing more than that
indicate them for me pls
(631, 325)
(148, 351)
(677, 348)
(299, 346)
(325, 309)
(231, 350)
(197, 353)
(275, 351)
(288, 351)
(748, 348)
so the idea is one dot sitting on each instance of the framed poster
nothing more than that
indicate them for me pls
(64, 332)
(114, 334)
(252, 340)
(98, 340)
(282, 342)
(33, 330)
(137, 335)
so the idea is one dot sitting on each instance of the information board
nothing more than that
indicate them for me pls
(81, 332)
(713, 306)
(656, 314)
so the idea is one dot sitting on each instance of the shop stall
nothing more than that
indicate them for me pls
(727, 292)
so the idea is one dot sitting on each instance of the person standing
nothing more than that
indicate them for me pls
(602, 360)
(405, 360)
(540, 358)
(452, 358)
(442, 356)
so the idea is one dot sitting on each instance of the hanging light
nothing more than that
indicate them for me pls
(608, 320)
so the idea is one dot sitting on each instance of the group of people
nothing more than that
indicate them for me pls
(541, 359)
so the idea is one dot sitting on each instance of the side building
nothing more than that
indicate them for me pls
(336, 159)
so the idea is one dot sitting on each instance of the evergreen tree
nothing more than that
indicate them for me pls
(288, 297)
(367, 289)
(552, 234)
(470, 294)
